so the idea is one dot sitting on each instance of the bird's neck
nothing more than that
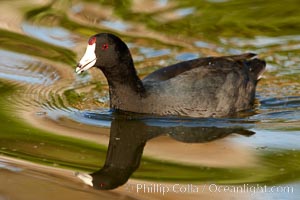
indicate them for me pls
(125, 87)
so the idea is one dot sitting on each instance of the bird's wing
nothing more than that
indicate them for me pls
(215, 62)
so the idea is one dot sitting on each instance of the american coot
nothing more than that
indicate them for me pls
(204, 87)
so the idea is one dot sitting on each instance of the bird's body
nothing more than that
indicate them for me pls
(204, 87)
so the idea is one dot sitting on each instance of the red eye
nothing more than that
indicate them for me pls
(105, 46)
(92, 40)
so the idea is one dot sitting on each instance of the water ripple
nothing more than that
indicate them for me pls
(52, 35)
(18, 67)
(283, 102)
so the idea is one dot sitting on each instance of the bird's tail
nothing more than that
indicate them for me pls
(256, 67)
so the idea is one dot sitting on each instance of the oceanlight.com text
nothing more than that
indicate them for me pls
(213, 188)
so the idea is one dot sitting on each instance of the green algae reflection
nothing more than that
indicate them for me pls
(27, 45)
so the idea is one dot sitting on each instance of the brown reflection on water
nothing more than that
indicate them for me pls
(28, 181)
(60, 184)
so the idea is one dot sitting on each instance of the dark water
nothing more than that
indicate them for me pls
(54, 117)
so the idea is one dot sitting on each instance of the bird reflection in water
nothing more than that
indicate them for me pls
(129, 135)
